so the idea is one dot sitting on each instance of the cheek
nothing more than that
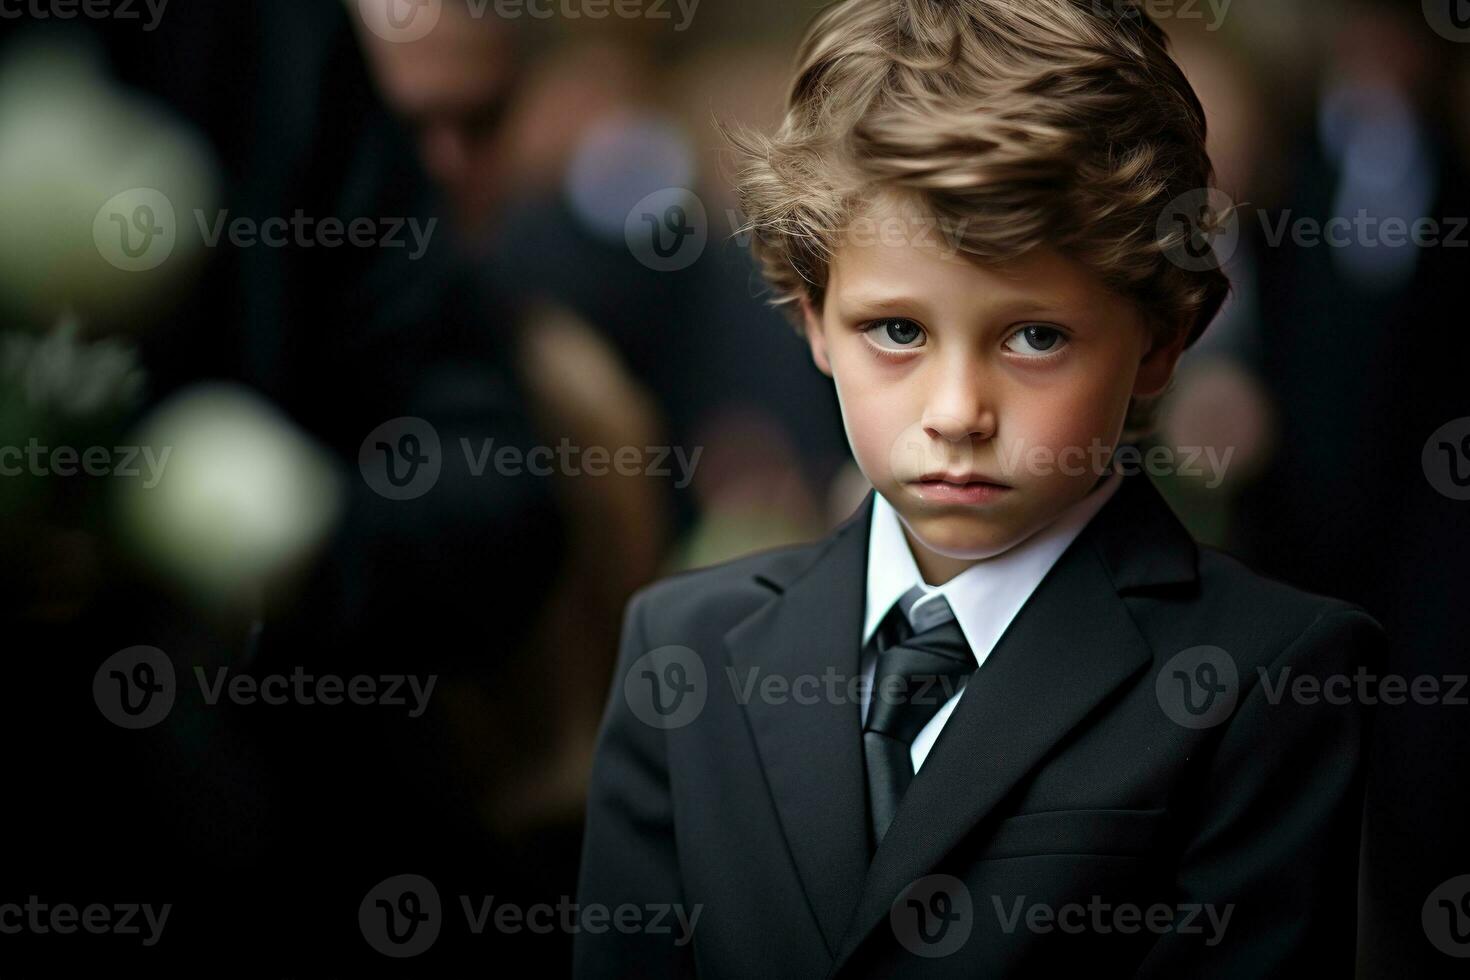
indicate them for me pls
(872, 410)
(1084, 408)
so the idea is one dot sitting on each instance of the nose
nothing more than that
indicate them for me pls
(961, 405)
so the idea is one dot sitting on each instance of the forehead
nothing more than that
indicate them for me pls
(894, 248)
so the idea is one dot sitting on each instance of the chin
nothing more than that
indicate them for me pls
(963, 537)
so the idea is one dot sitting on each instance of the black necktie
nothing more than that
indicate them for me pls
(916, 673)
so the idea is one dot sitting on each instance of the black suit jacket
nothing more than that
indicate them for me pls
(1072, 812)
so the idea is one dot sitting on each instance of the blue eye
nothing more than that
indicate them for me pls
(895, 333)
(1039, 340)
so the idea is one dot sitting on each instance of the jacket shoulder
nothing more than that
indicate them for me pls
(1227, 579)
(720, 595)
(1265, 616)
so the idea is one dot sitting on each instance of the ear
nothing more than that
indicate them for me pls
(1157, 366)
(815, 335)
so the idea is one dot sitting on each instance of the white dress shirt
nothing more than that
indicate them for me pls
(984, 597)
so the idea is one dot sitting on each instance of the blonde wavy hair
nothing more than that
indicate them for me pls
(1016, 123)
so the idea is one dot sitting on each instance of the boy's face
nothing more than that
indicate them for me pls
(980, 400)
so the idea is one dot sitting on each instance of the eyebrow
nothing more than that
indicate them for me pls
(1020, 306)
(879, 303)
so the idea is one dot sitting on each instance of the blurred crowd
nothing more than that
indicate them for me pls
(555, 261)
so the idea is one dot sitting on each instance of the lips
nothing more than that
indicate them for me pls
(961, 479)
(959, 490)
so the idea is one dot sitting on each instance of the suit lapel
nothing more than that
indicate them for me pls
(812, 752)
(1067, 650)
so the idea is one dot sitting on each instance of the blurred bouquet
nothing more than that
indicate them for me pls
(210, 494)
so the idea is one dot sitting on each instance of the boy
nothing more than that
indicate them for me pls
(1009, 716)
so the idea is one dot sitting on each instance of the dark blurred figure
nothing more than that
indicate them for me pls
(547, 140)
(266, 826)
(1372, 368)
(527, 730)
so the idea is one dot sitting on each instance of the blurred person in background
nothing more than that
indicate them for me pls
(471, 90)
(1331, 420)
(596, 124)
(1367, 365)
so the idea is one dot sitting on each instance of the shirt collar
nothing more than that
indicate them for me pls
(987, 595)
